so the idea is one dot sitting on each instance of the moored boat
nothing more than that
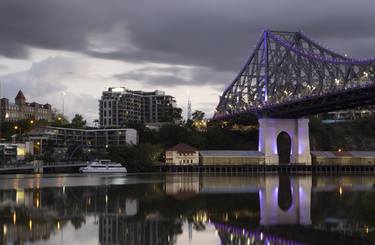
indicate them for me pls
(103, 166)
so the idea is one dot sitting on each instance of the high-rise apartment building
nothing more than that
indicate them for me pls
(119, 106)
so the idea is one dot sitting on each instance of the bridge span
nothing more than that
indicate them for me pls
(287, 78)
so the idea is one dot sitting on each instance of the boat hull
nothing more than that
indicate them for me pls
(86, 170)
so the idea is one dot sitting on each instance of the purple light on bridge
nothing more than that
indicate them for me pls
(260, 144)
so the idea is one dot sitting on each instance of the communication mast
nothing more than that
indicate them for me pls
(189, 109)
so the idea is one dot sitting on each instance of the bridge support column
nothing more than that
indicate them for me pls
(297, 129)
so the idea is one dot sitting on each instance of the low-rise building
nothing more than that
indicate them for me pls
(59, 137)
(214, 157)
(182, 154)
(343, 157)
(12, 153)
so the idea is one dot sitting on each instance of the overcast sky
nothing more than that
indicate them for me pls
(81, 47)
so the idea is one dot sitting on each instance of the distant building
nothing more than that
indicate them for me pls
(182, 154)
(60, 138)
(349, 115)
(21, 110)
(120, 106)
(11, 153)
(340, 157)
(213, 157)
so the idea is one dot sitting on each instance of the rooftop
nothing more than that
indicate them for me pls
(335, 154)
(181, 147)
(20, 96)
(226, 153)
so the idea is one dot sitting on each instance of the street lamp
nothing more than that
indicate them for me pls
(63, 101)
(17, 128)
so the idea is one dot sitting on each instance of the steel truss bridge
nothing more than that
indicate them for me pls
(291, 76)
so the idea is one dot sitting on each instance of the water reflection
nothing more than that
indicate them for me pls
(183, 209)
(285, 200)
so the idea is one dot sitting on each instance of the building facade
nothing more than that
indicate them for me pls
(21, 110)
(12, 153)
(60, 138)
(223, 157)
(119, 106)
(348, 115)
(182, 154)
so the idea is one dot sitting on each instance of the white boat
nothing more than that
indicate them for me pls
(103, 166)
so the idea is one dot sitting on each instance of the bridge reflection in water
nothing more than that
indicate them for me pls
(174, 209)
(285, 201)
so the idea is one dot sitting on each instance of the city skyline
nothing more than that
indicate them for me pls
(53, 47)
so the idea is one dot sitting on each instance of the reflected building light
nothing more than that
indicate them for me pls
(58, 225)
(5, 229)
(14, 217)
(30, 224)
(340, 190)
(20, 196)
(261, 236)
(106, 198)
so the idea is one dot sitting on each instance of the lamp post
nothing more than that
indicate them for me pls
(17, 128)
(63, 102)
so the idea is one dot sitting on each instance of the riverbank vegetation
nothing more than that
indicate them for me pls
(346, 136)
(350, 135)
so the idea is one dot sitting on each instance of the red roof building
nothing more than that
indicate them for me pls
(182, 154)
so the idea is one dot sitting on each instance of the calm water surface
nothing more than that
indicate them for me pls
(186, 209)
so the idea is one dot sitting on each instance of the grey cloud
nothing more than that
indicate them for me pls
(45, 81)
(37, 82)
(210, 33)
(176, 76)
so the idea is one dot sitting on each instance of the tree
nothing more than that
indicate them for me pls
(78, 121)
(136, 157)
(173, 115)
(60, 120)
(198, 115)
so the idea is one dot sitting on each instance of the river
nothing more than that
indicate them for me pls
(186, 209)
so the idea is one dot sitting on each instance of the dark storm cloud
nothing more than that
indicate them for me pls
(177, 76)
(206, 33)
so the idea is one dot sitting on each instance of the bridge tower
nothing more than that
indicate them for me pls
(299, 210)
(298, 131)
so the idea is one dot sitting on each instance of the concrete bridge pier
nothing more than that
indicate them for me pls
(298, 131)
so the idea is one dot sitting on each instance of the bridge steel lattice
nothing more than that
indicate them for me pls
(290, 76)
